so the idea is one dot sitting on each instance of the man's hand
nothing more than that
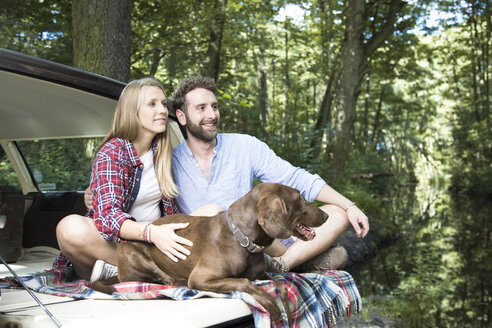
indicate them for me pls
(359, 221)
(88, 198)
(164, 237)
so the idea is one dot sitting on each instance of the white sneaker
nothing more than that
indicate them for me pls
(102, 271)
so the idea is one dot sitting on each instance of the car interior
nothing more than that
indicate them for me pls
(47, 109)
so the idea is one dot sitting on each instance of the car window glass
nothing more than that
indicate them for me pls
(60, 164)
(8, 177)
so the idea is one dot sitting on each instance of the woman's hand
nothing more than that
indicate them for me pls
(165, 238)
(359, 220)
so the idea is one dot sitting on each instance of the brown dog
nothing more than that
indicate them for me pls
(221, 260)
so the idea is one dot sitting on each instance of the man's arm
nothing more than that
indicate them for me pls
(268, 167)
(356, 217)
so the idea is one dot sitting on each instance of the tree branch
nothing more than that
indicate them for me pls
(371, 5)
(377, 39)
(370, 176)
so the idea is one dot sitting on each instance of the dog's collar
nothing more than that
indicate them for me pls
(242, 238)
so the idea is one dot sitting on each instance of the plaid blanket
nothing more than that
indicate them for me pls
(316, 299)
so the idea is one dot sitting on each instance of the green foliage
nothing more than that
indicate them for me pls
(472, 172)
(8, 177)
(423, 117)
(65, 162)
(466, 84)
(38, 28)
(425, 280)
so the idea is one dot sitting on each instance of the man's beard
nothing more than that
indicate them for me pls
(197, 131)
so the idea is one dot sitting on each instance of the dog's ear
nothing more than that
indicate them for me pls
(273, 216)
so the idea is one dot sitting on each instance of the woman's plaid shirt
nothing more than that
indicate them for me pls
(115, 181)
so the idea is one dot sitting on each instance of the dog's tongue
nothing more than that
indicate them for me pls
(306, 231)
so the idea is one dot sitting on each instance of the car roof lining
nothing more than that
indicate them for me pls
(41, 99)
(35, 109)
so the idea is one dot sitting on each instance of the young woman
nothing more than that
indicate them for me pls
(131, 185)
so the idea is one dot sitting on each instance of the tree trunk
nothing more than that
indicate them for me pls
(324, 36)
(263, 88)
(488, 34)
(156, 59)
(375, 130)
(364, 126)
(324, 113)
(354, 63)
(331, 75)
(212, 61)
(475, 66)
(356, 54)
(101, 37)
(274, 75)
(481, 64)
(314, 94)
(286, 112)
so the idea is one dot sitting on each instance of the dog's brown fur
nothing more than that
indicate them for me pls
(218, 263)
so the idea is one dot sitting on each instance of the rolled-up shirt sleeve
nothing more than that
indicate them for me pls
(271, 168)
(108, 190)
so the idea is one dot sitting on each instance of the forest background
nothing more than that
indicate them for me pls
(389, 101)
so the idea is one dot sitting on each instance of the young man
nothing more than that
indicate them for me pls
(220, 168)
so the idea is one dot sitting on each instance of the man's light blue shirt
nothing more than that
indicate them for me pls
(238, 159)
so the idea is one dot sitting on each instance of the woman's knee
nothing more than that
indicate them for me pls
(72, 230)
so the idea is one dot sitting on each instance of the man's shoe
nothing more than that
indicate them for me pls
(332, 259)
(102, 271)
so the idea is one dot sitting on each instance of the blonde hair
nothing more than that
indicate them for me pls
(126, 125)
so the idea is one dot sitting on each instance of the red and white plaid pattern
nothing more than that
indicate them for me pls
(115, 181)
(315, 299)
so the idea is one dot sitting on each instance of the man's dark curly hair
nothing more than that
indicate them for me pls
(189, 84)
